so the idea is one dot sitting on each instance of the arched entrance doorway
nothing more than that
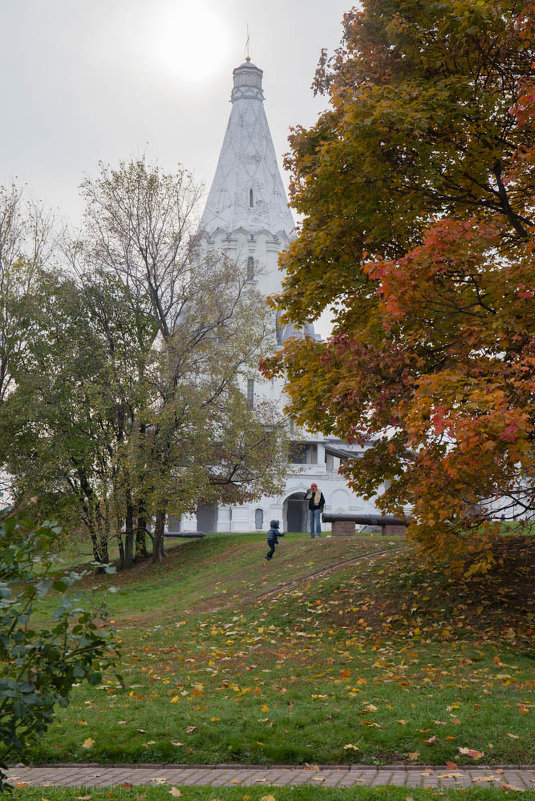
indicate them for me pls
(207, 518)
(295, 512)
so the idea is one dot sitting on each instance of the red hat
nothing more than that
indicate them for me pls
(314, 484)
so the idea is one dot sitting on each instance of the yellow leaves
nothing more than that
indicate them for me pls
(268, 798)
(413, 756)
(265, 707)
(175, 699)
(88, 744)
(198, 690)
(473, 754)
(512, 788)
(351, 747)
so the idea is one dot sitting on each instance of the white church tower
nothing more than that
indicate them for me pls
(247, 218)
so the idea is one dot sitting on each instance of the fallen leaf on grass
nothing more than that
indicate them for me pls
(175, 792)
(471, 753)
(513, 736)
(451, 765)
(371, 723)
(351, 747)
(431, 739)
(178, 745)
(268, 798)
(511, 787)
(190, 729)
(84, 797)
(414, 755)
(89, 743)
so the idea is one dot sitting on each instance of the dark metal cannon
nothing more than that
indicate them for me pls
(344, 524)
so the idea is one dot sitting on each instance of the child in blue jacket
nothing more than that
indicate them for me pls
(273, 538)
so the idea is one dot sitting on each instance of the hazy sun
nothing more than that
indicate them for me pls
(190, 40)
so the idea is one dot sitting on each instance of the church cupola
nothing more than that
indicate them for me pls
(247, 82)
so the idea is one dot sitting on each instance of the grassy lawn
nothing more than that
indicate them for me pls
(261, 794)
(227, 658)
(265, 793)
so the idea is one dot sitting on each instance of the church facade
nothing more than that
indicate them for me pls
(247, 219)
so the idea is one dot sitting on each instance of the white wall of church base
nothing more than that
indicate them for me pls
(256, 516)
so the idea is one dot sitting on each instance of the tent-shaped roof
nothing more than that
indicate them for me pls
(247, 190)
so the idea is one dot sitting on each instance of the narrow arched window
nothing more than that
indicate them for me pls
(251, 198)
(250, 268)
(259, 518)
(250, 392)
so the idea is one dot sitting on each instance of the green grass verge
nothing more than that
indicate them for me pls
(374, 662)
(265, 793)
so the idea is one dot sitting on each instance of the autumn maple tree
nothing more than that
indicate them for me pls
(416, 190)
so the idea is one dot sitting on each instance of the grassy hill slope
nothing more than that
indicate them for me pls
(340, 650)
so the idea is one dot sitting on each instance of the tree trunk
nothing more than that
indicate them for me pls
(92, 519)
(158, 552)
(129, 536)
(120, 546)
(141, 534)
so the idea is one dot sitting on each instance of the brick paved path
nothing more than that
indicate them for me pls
(511, 777)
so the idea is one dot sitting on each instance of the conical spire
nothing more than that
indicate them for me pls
(247, 191)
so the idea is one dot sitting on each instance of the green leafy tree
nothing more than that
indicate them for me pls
(417, 190)
(78, 388)
(126, 403)
(40, 661)
(211, 325)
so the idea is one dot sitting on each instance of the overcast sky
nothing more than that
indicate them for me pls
(90, 80)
